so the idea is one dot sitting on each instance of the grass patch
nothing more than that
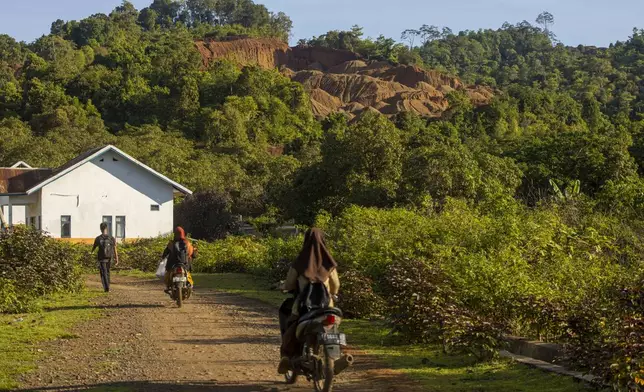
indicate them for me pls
(437, 371)
(133, 273)
(249, 286)
(20, 334)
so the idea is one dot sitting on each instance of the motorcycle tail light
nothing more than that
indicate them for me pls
(329, 320)
(179, 270)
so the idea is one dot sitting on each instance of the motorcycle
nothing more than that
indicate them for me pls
(321, 358)
(180, 289)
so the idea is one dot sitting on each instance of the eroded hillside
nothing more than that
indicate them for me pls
(340, 81)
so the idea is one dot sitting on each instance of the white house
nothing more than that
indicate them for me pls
(101, 185)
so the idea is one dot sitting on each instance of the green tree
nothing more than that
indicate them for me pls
(546, 19)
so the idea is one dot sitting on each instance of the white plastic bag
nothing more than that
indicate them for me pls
(161, 268)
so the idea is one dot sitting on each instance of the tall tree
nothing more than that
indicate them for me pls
(429, 33)
(410, 36)
(546, 19)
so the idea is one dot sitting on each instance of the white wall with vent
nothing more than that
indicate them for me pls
(108, 185)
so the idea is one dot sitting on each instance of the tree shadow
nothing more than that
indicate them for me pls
(124, 306)
(265, 339)
(149, 386)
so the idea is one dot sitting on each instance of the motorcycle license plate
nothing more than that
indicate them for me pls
(333, 338)
(179, 279)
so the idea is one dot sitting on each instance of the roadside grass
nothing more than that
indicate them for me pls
(437, 371)
(427, 364)
(21, 333)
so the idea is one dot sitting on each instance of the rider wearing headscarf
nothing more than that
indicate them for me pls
(313, 265)
(179, 236)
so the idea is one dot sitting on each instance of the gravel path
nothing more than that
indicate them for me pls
(216, 342)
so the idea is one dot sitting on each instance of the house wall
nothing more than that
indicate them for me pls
(105, 187)
(18, 215)
(34, 211)
(20, 208)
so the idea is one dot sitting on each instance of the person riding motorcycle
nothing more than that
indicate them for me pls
(178, 244)
(314, 264)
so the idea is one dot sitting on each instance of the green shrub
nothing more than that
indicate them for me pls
(281, 254)
(33, 265)
(611, 345)
(421, 299)
(232, 254)
(143, 254)
(206, 216)
(357, 298)
(370, 239)
(426, 309)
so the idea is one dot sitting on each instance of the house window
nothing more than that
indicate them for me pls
(32, 222)
(39, 223)
(66, 226)
(154, 207)
(120, 227)
(108, 220)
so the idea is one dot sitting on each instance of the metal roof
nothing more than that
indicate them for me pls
(28, 181)
(17, 181)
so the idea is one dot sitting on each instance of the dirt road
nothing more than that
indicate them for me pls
(216, 342)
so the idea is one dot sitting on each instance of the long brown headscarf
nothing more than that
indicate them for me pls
(314, 262)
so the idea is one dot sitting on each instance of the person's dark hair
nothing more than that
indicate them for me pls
(103, 227)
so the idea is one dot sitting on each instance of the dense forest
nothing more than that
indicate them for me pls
(530, 207)
(134, 78)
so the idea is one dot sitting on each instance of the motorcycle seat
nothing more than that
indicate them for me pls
(320, 312)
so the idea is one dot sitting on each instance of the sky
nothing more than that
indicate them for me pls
(588, 22)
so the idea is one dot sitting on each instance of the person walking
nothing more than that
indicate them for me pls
(107, 252)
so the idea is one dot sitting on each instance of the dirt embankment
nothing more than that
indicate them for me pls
(340, 81)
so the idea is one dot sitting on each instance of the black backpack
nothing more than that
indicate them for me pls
(178, 254)
(105, 247)
(315, 296)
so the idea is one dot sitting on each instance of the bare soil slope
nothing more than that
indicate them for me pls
(340, 81)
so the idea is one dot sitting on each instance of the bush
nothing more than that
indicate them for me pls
(545, 272)
(611, 346)
(281, 254)
(232, 254)
(421, 300)
(206, 216)
(357, 298)
(33, 265)
(426, 309)
(142, 254)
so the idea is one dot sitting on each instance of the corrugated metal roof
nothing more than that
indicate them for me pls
(21, 180)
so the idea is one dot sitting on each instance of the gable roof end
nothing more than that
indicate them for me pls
(91, 154)
(21, 165)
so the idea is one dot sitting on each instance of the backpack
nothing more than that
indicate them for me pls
(178, 254)
(315, 296)
(106, 247)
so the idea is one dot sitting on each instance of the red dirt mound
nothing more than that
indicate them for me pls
(340, 81)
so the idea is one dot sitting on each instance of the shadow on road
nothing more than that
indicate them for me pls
(124, 306)
(150, 386)
(265, 339)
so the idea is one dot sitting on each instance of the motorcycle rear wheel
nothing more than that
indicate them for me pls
(325, 383)
(179, 294)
